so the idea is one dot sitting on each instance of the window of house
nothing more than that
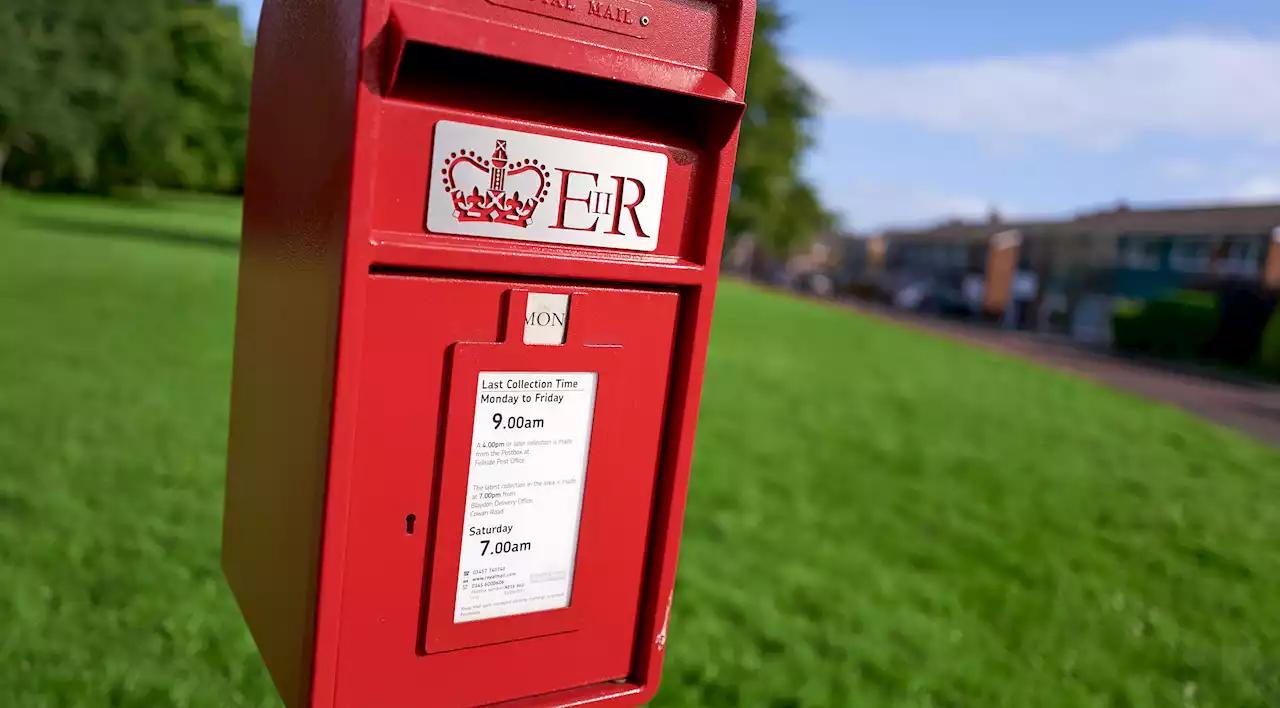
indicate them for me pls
(1140, 254)
(1237, 257)
(1191, 256)
(1243, 258)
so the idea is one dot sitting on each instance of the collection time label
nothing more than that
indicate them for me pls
(528, 468)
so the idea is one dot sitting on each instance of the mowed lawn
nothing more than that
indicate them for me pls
(877, 518)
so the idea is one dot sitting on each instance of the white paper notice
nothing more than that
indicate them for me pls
(524, 493)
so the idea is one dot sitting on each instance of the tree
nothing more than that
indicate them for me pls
(772, 203)
(17, 76)
(215, 71)
(99, 94)
(42, 72)
(133, 105)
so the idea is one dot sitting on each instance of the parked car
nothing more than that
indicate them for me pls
(951, 303)
(814, 283)
(912, 293)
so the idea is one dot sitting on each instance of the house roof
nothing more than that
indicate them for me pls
(1221, 220)
(959, 232)
(1207, 220)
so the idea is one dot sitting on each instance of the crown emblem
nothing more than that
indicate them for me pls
(489, 180)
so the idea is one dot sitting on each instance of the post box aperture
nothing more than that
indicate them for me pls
(477, 276)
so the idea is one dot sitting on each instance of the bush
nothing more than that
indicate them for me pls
(1269, 349)
(1246, 310)
(1128, 328)
(1179, 325)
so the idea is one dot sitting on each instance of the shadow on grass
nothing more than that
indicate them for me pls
(135, 232)
(1208, 370)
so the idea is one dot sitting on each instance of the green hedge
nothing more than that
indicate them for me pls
(1177, 325)
(1269, 349)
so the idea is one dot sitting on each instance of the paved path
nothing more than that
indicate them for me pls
(1250, 407)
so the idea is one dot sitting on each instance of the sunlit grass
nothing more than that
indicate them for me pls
(877, 518)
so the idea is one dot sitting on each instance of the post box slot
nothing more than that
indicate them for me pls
(691, 48)
(441, 85)
(699, 34)
(467, 81)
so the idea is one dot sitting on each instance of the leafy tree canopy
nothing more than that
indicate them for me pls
(773, 204)
(100, 94)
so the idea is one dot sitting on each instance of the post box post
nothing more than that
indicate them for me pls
(480, 251)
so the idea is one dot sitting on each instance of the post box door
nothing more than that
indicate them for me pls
(557, 607)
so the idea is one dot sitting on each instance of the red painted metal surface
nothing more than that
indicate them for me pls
(345, 403)
(411, 363)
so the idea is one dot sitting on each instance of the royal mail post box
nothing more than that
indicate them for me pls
(481, 244)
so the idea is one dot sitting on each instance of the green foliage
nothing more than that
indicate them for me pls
(1178, 325)
(1128, 332)
(876, 517)
(44, 75)
(1128, 308)
(102, 95)
(1269, 349)
(772, 203)
(215, 72)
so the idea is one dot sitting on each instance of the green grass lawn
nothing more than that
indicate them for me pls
(878, 518)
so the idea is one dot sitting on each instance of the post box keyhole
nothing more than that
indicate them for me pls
(408, 524)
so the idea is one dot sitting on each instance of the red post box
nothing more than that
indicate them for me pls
(481, 244)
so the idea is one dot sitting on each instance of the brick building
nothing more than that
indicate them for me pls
(1066, 276)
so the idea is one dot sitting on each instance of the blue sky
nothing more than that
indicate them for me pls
(933, 109)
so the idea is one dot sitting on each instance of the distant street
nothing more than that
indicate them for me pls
(1250, 407)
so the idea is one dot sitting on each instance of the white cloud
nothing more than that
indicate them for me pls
(1187, 85)
(1180, 169)
(1259, 189)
